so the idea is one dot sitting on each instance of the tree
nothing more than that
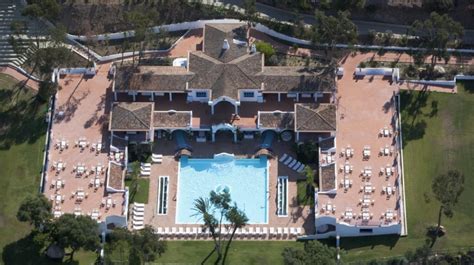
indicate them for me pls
(314, 253)
(436, 34)
(447, 188)
(265, 48)
(58, 34)
(35, 210)
(45, 90)
(441, 6)
(217, 213)
(141, 23)
(48, 9)
(126, 246)
(69, 231)
(331, 30)
(250, 10)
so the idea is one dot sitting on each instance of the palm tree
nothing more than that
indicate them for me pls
(217, 212)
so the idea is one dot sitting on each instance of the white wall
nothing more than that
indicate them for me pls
(249, 99)
(192, 95)
(346, 230)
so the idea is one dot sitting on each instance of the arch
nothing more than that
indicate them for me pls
(216, 101)
(223, 126)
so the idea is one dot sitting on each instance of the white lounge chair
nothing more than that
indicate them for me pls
(295, 167)
(180, 230)
(285, 231)
(265, 232)
(292, 231)
(298, 231)
(159, 230)
(174, 231)
(188, 231)
(279, 231)
(145, 164)
(301, 168)
(137, 223)
(283, 157)
(288, 160)
(272, 231)
(138, 213)
(195, 231)
(145, 173)
(292, 163)
(258, 233)
(167, 231)
(138, 218)
(138, 204)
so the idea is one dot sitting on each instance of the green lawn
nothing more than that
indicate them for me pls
(438, 132)
(141, 196)
(22, 136)
(241, 252)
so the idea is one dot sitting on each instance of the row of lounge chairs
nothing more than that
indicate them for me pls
(145, 169)
(292, 163)
(243, 233)
(138, 216)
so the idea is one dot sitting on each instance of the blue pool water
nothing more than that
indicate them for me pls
(245, 179)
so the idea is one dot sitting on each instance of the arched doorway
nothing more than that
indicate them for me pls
(226, 127)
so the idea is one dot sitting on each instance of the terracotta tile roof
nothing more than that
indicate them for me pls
(224, 79)
(172, 119)
(328, 177)
(152, 78)
(314, 117)
(297, 79)
(277, 119)
(131, 116)
(214, 36)
(116, 176)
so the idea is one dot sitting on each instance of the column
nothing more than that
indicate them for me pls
(134, 96)
(297, 139)
(236, 109)
(279, 97)
(115, 95)
(212, 109)
(235, 136)
(297, 97)
(171, 96)
(152, 96)
(213, 136)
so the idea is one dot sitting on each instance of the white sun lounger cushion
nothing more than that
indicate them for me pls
(292, 163)
(296, 166)
(283, 157)
(288, 160)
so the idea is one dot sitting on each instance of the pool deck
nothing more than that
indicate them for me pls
(299, 216)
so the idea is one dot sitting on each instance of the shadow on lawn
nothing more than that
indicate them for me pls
(412, 104)
(360, 242)
(27, 251)
(23, 121)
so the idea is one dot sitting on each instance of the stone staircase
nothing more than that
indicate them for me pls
(10, 10)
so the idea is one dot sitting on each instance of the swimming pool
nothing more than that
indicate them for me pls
(245, 179)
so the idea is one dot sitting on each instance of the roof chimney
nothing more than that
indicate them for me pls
(226, 45)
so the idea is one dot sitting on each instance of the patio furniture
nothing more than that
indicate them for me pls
(156, 158)
(288, 160)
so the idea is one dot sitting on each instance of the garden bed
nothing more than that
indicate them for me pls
(157, 42)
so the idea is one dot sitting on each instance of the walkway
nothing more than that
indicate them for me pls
(19, 76)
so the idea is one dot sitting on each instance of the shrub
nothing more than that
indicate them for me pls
(265, 48)
(307, 152)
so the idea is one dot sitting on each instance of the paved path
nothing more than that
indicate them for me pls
(363, 26)
(19, 76)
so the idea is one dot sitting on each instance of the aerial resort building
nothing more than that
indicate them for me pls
(221, 120)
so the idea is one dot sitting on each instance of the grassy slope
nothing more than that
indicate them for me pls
(143, 189)
(447, 142)
(22, 136)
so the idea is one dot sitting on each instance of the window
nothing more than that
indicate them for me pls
(201, 94)
(249, 94)
(365, 230)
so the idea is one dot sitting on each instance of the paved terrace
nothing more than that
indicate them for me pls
(365, 106)
(298, 216)
(84, 104)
